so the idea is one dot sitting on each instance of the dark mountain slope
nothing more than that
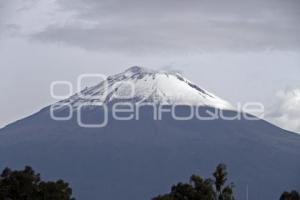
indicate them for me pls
(135, 160)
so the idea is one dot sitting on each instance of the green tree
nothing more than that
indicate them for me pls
(202, 189)
(27, 185)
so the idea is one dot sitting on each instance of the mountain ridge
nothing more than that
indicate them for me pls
(139, 159)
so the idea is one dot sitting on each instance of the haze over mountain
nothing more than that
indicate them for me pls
(138, 159)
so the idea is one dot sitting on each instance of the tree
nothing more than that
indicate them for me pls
(202, 189)
(293, 195)
(222, 192)
(27, 185)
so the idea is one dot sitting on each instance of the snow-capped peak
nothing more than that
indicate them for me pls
(138, 84)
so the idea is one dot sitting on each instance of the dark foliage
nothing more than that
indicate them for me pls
(27, 185)
(202, 189)
(293, 195)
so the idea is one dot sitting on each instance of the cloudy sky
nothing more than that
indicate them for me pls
(240, 50)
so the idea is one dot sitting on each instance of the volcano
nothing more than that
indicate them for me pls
(137, 159)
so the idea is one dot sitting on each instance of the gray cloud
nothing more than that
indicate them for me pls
(145, 26)
(286, 111)
(6, 11)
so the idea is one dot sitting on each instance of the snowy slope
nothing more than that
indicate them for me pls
(138, 84)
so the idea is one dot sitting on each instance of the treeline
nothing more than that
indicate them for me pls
(214, 188)
(28, 185)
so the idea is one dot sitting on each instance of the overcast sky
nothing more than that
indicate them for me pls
(240, 50)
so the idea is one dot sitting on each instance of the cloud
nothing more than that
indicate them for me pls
(286, 111)
(174, 25)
